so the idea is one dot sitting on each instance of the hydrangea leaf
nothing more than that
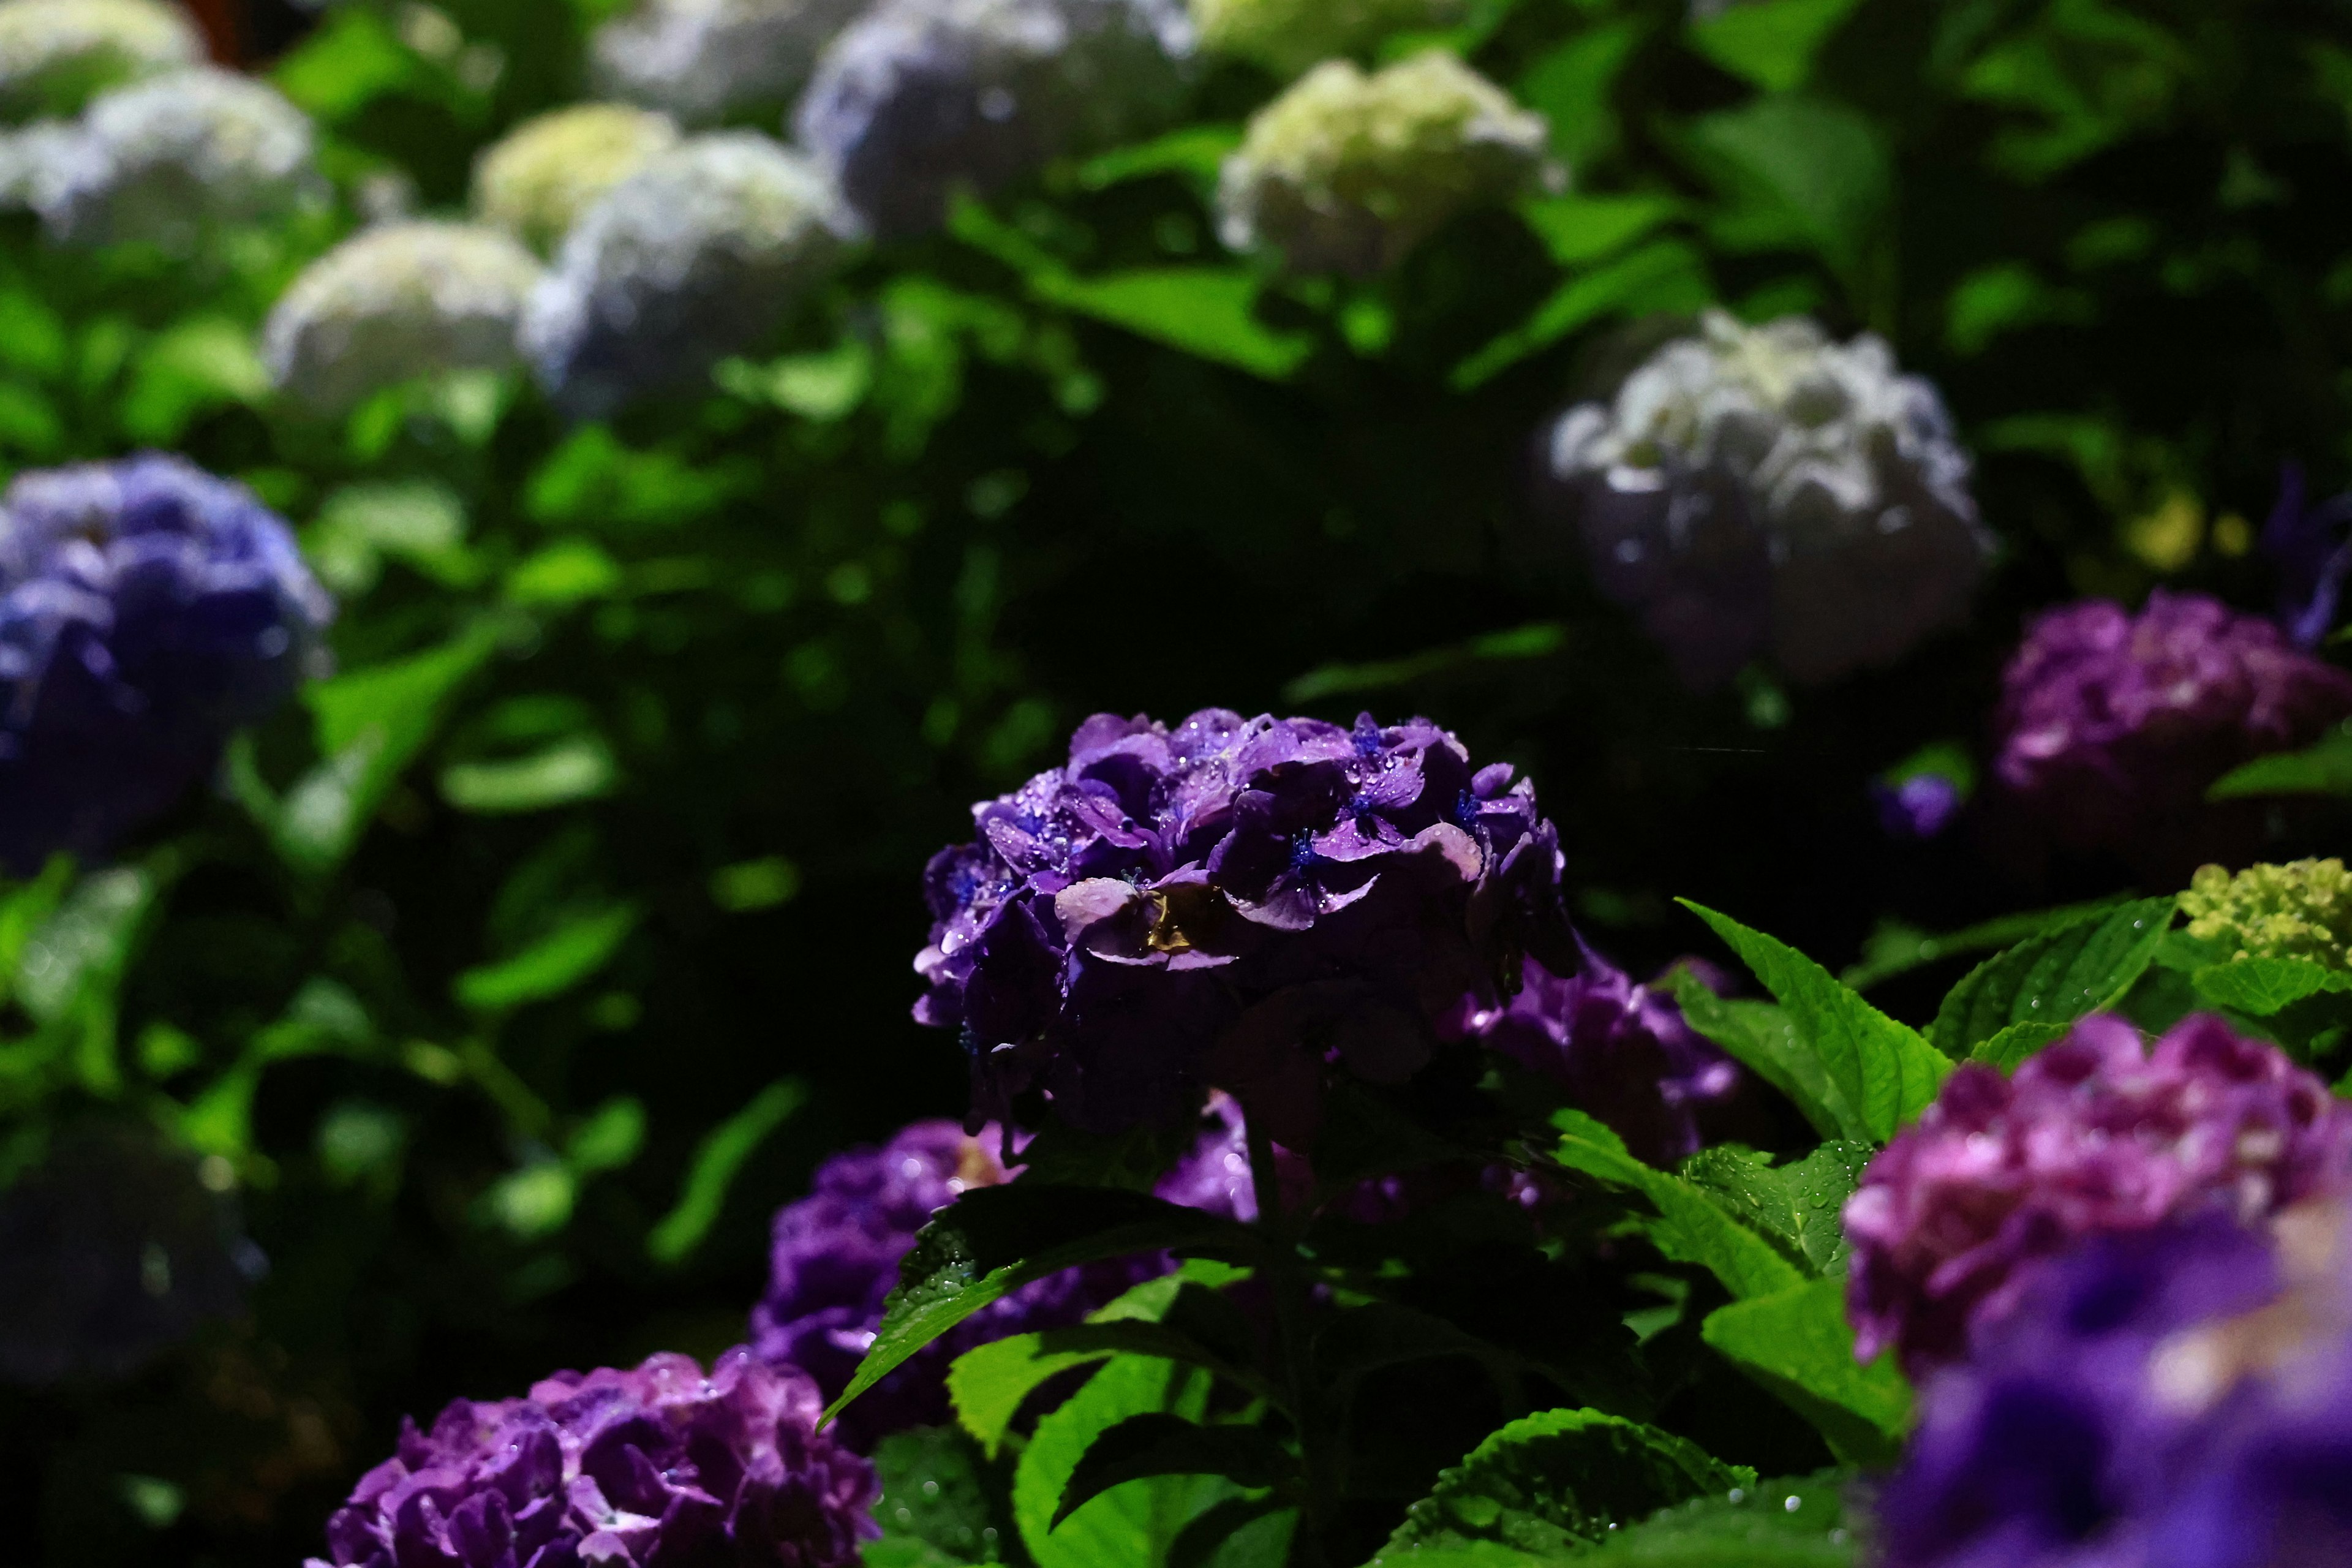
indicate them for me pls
(1551, 1485)
(2014, 1045)
(1773, 44)
(989, 1383)
(550, 966)
(717, 1159)
(1206, 312)
(1758, 1036)
(1796, 1344)
(1798, 1523)
(1133, 1524)
(1799, 172)
(1897, 949)
(1794, 1204)
(1883, 1073)
(2324, 767)
(933, 1507)
(1691, 1226)
(2054, 977)
(2259, 988)
(1157, 1443)
(1664, 275)
(993, 1240)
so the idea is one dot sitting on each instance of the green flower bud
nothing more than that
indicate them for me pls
(2301, 910)
(1347, 173)
(537, 179)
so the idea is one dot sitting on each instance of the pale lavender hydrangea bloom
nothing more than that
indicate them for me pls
(664, 1465)
(2094, 1134)
(2112, 725)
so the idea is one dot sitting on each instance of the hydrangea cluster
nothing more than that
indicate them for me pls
(711, 60)
(396, 302)
(2179, 1397)
(664, 1464)
(2301, 910)
(2093, 1135)
(1288, 36)
(920, 97)
(1765, 490)
(536, 181)
(56, 55)
(1237, 902)
(115, 1248)
(166, 160)
(2110, 725)
(697, 255)
(836, 1256)
(146, 610)
(1347, 172)
(1623, 1053)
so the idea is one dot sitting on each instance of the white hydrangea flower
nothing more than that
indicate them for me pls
(922, 96)
(538, 179)
(698, 255)
(708, 60)
(166, 159)
(1347, 172)
(393, 303)
(54, 55)
(1288, 36)
(1766, 491)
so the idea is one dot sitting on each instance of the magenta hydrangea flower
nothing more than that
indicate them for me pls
(2178, 1397)
(2093, 1135)
(660, 1466)
(835, 1253)
(2112, 725)
(1247, 903)
(1622, 1051)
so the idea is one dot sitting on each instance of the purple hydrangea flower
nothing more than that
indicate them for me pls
(1921, 807)
(663, 1465)
(2112, 725)
(2173, 1398)
(2306, 543)
(1623, 1051)
(146, 610)
(835, 1256)
(1244, 902)
(2093, 1135)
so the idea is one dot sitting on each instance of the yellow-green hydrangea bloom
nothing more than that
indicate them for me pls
(1347, 172)
(2301, 910)
(1289, 36)
(56, 55)
(536, 181)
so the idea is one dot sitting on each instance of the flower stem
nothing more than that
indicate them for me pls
(1288, 1284)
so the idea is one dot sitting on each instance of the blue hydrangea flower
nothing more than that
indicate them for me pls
(919, 97)
(1242, 903)
(147, 609)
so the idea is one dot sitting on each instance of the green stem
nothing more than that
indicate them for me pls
(1286, 1281)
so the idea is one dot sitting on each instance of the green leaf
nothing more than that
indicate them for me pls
(1663, 277)
(1206, 312)
(349, 61)
(931, 1494)
(1691, 1228)
(1800, 174)
(993, 1240)
(1796, 1205)
(1196, 151)
(2259, 988)
(1760, 1037)
(1571, 87)
(1549, 1486)
(1158, 1443)
(414, 521)
(82, 948)
(1539, 640)
(1881, 1073)
(1772, 44)
(569, 572)
(610, 1138)
(988, 1383)
(1132, 1524)
(1579, 230)
(2055, 977)
(1796, 1344)
(1895, 949)
(2014, 1045)
(550, 966)
(197, 365)
(577, 768)
(1798, 1523)
(711, 1171)
(2324, 767)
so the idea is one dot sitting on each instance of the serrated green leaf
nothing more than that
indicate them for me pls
(1130, 1524)
(1691, 1227)
(1207, 312)
(1896, 949)
(1772, 43)
(1795, 1205)
(988, 1383)
(2054, 977)
(2259, 988)
(1549, 1486)
(1802, 173)
(1796, 1344)
(1787, 1523)
(2016, 1044)
(1155, 1443)
(932, 1496)
(1881, 1073)
(2324, 767)
(1760, 1037)
(993, 1240)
